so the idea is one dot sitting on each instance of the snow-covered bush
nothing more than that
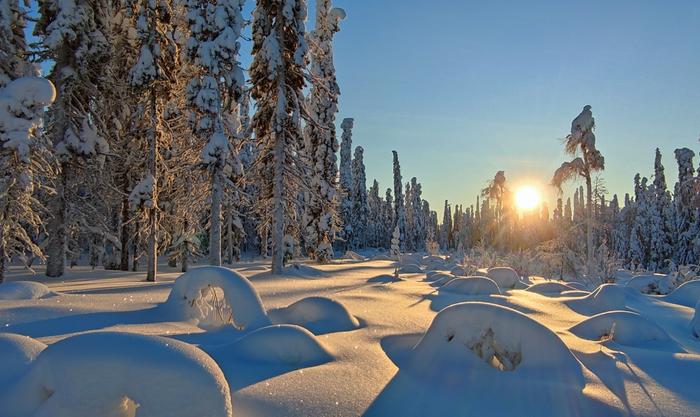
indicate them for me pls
(17, 352)
(216, 296)
(607, 297)
(505, 277)
(624, 327)
(482, 339)
(120, 374)
(24, 290)
(651, 284)
(471, 286)
(318, 314)
(410, 269)
(687, 294)
(283, 344)
(551, 287)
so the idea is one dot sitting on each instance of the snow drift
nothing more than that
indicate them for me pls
(410, 269)
(695, 324)
(120, 374)
(607, 297)
(278, 344)
(493, 341)
(471, 286)
(16, 354)
(505, 277)
(651, 284)
(623, 327)
(687, 294)
(551, 287)
(24, 290)
(214, 296)
(318, 314)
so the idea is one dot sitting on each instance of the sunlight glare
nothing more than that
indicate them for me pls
(527, 198)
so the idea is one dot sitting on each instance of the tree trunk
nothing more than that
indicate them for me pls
(278, 207)
(124, 261)
(589, 227)
(56, 249)
(152, 249)
(215, 222)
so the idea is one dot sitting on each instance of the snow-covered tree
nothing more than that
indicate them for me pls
(684, 194)
(396, 242)
(13, 45)
(581, 141)
(388, 220)
(277, 77)
(661, 219)
(639, 246)
(321, 208)
(399, 208)
(374, 216)
(346, 178)
(22, 158)
(359, 200)
(73, 34)
(418, 221)
(213, 93)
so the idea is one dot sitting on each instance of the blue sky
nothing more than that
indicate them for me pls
(464, 88)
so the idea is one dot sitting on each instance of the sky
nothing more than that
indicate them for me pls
(462, 89)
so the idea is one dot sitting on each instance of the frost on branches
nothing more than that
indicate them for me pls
(12, 43)
(22, 103)
(321, 145)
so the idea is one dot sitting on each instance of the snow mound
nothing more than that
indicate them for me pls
(318, 314)
(483, 339)
(116, 374)
(354, 256)
(505, 277)
(471, 286)
(551, 287)
(458, 271)
(651, 284)
(24, 290)
(433, 276)
(607, 297)
(382, 257)
(16, 354)
(410, 269)
(623, 327)
(303, 271)
(687, 294)
(214, 296)
(280, 344)
(384, 279)
(695, 324)
(410, 258)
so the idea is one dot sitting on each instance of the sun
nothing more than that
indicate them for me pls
(527, 198)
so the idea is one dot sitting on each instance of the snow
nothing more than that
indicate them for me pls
(373, 368)
(687, 294)
(17, 352)
(283, 344)
(110, 373)
(505, 277)
(471, 286)
(651, 284)
(410, 269)
(23, 290)
(458, 271)
(695, 324)
(623, 327)
(193, 297)
(550, 287)
(607, 297)
(353, 256)
(318, 314)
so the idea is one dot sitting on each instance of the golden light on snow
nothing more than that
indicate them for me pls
(527, 198)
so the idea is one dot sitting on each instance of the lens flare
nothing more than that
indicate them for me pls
(527, 198)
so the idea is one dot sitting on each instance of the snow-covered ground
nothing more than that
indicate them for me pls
(346, 342)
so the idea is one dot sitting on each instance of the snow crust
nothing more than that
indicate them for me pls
(121, 374)
(23, 290)
(193, 297)
(318, 314)
(471, 286)
(624, 327)
(505, 277)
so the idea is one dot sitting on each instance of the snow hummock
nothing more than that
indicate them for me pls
(410, 269)
(318, 314)
(651, 284)
(195, 297)
(353, 256)
(505, 277)
(695, 324)
(23, 290)
(16, 354)
(471, 286)
(550, 287)
(607, 297)
(475, 338)
(302, 271)
(687, 294)
(623, 327)
(121, 374)
(458, 271)
(281, 344)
